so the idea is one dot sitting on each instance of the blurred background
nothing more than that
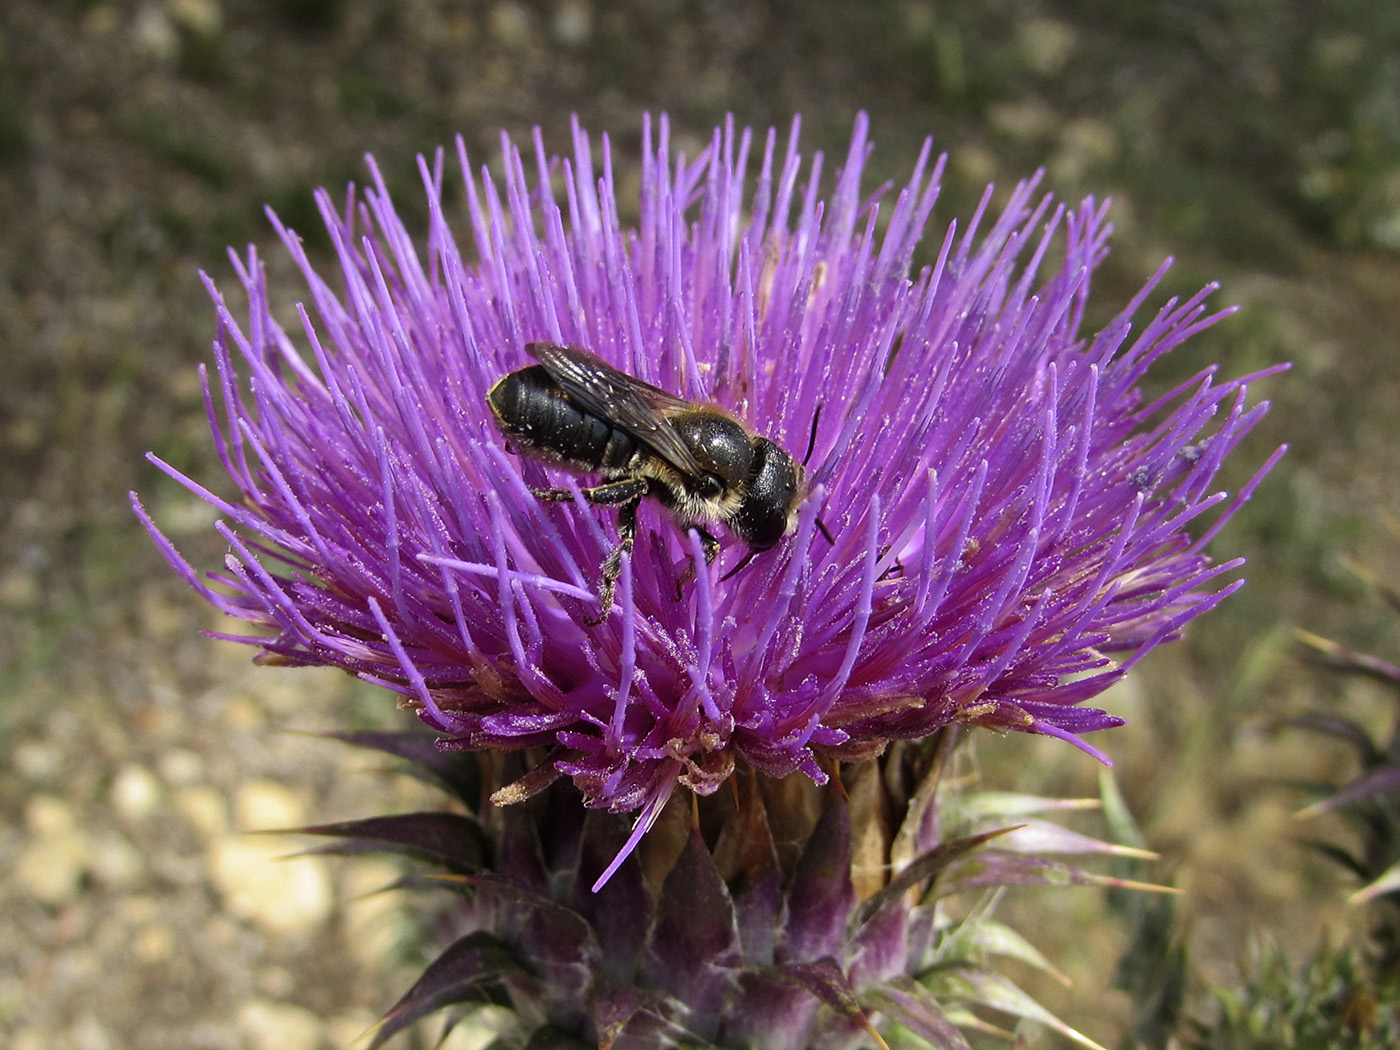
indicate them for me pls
(1258, 141)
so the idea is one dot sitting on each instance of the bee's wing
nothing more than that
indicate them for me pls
(623, 400)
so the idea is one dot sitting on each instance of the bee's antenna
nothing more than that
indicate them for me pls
(742, 563)
(812, 437)
(811, 444)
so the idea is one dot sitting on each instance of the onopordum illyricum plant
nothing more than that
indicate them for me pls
(995, 524)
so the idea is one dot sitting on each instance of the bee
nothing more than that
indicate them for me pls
(575, 411)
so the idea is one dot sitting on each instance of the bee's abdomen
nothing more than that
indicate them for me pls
(536, 414)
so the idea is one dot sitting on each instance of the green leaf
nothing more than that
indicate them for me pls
(1388, 882)
(1003, 806)
(1040, 836)
(457, 975)
(908, 1003)
(985, 988)
(996, 938)
(1122, 827)
(454, 771)
(923, 868)
(452, 839)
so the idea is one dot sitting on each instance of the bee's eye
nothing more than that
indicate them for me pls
(765, 514)
(711, 486)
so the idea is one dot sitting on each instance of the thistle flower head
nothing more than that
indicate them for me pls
(1011, 523)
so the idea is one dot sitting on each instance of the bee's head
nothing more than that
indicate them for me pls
(768, 510)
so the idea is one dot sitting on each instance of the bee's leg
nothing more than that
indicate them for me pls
(612, 565)
(618, 494)
(626, 495)
(711, 546)
(608, 494)
(897, 569)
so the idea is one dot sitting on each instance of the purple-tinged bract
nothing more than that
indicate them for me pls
(1007, 513)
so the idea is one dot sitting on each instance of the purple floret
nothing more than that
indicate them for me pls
(1011, 525)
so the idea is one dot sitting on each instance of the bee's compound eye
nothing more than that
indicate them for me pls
(711, 486)
(774, 489)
